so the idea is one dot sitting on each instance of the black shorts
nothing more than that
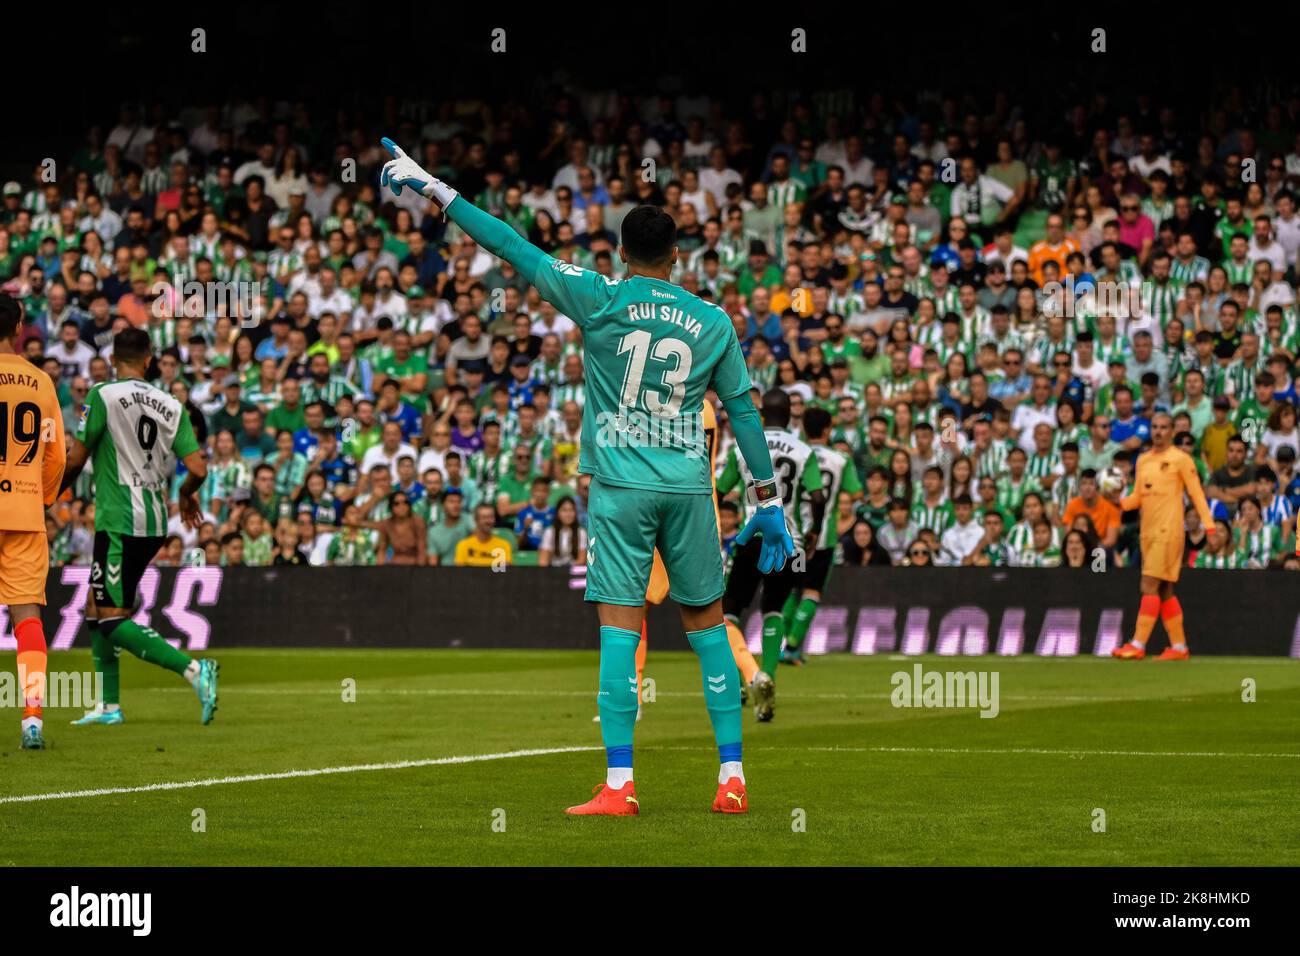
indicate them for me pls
(743, 582)
(817, 572)
(120, 560)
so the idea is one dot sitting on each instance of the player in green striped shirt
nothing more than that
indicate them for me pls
(133, 433)
(837, 475)
(799, 478)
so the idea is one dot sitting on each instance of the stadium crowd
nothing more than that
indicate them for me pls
(991, 306)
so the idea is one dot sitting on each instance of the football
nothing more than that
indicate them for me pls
(1111, 479)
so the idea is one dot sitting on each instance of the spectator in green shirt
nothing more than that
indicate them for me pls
(289, 415)
(230, 415)
(290, 466)
(363, 432)
(445, 534)
(759, 270)
(410, 370)
(515, 489)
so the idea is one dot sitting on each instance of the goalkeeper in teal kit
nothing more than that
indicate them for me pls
(651, 351)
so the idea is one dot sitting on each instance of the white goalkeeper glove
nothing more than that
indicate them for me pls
(401, 171)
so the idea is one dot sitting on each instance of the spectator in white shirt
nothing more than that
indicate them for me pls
(101, 219)
(567, 175)
(263, 165)
(1039, 409)
(715, 177)
(1264, 246)
(72, 354)
(1287, 224)
(390, 448)
(963, 538)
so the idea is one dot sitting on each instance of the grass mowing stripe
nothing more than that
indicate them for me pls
(550, 751)
(292, 774)
(518, 692)
(1038, 751)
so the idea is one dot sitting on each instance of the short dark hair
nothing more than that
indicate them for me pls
(11, 316)
(649, 235)
(132, 345)
(775, 407)
(816, 422)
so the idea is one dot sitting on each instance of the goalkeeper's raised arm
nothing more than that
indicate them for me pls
(575, 292)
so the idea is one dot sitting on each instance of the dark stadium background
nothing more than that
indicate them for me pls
(348, 55)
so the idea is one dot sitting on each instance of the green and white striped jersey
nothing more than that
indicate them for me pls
(782, 194)
(1196, 269)
(838, 474)
(135, 433)
(797, 473)
(1238, 272)
(937, 518)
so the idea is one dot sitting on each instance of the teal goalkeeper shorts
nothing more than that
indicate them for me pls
(625, 525)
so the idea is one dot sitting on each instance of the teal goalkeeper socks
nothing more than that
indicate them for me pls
(619, 695)
(721, 688)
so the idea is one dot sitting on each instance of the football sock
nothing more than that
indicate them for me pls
(641, 649)
(721, 691)
(1148, 610)
(740, 652)
(617, 701)
(788, 610)
(105, 656)
(146, 644)
(803, 618)
(729, 769)
(32, 659)
(1171, 612)
(773, 634)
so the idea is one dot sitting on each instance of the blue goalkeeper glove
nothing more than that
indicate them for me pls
(769, 523)
(402, 171)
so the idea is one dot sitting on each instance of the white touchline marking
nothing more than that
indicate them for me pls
(292, 774)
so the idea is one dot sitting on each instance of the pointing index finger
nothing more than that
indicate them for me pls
(392, 148)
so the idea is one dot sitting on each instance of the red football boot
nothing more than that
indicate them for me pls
(731, 797)
(609, 803)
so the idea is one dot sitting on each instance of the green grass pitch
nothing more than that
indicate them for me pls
(1184, 770)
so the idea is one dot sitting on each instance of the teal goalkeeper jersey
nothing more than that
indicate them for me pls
(651, 350)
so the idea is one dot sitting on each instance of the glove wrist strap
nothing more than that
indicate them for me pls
(440, 193)
(766, 492)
